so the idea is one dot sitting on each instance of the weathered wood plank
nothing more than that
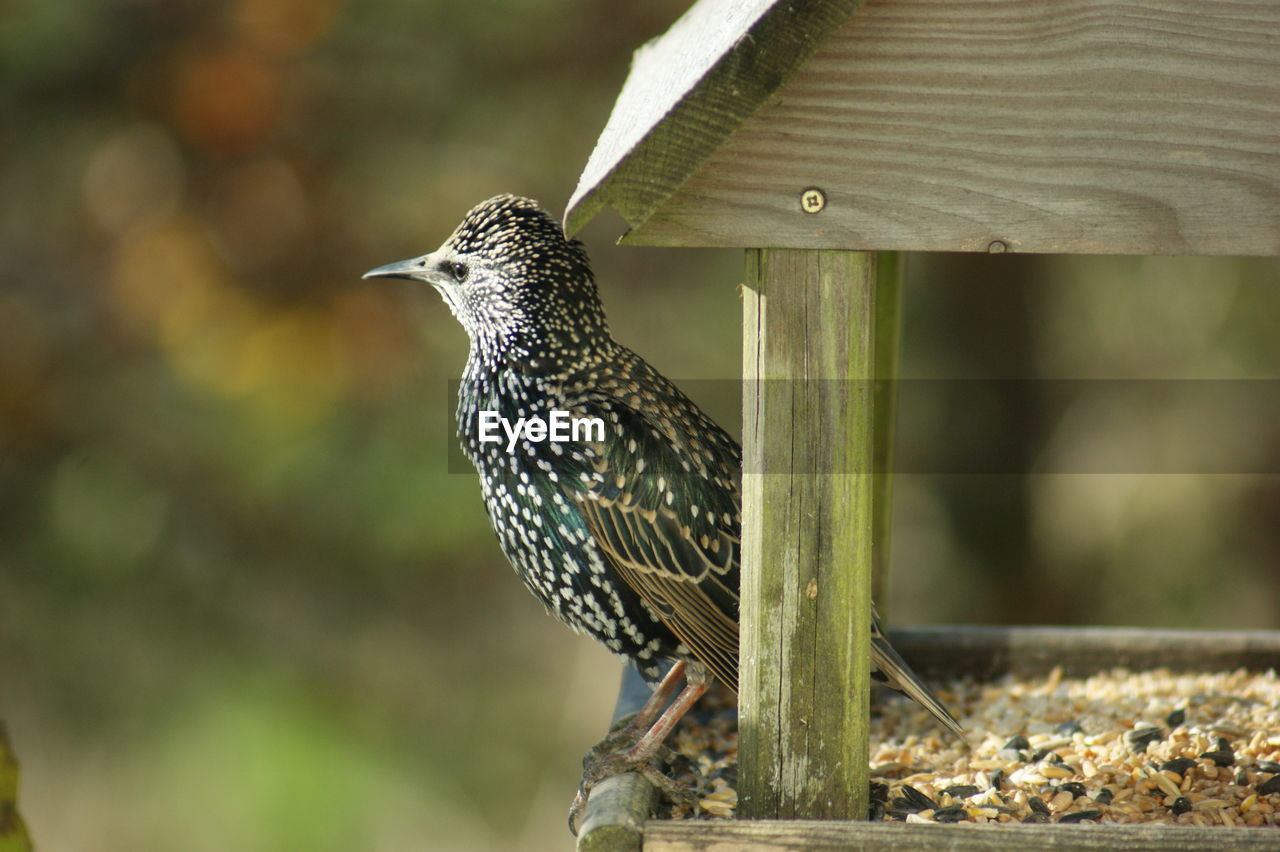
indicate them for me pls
(616, 814)
(1090, 126)
(13, 832)
(688, 90)
(807, 491)
(772, 836)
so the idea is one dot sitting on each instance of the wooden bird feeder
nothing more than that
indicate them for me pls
(13, 832)
(824, 136)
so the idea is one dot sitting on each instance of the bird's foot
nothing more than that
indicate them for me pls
(621, 737)
(622, 751)
(602, 762)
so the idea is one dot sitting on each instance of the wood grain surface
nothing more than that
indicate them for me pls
(1093, 126)
(808, 356)
(774, 836)
(688, 90)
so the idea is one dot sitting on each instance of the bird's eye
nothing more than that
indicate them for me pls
(458, 271)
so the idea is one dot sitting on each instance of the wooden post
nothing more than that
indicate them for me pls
(888, 336)
(616, 813)
(807, 529)
(13, 833)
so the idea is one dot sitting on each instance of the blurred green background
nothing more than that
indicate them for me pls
(243, 604)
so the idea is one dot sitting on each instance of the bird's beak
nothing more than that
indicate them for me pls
(415, 269)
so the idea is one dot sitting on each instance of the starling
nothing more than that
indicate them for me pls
(630, 534)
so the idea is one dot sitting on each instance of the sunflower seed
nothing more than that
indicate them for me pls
(920, 800)
(1075, 788)
(1069, 728)
(1140, 738)
(1220, 757)
(961, 791)
(1179, 765)
(1018, 743)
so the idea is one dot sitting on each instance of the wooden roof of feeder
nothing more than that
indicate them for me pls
(1088, 126)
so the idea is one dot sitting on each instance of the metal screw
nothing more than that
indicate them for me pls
(812, 200)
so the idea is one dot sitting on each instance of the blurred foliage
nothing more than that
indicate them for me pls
(1093, 542)
(244, 605)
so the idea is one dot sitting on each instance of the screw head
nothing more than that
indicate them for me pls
(812, 200)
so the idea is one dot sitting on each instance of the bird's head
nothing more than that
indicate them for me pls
(521, 289)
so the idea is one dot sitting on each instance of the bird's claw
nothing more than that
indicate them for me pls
(618, 740)
(601, 763)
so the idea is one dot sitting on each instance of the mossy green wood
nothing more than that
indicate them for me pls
(616, 815)
(13, 833)
(888, 336)
(807, 528)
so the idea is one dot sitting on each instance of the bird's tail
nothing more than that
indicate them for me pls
(894, 672)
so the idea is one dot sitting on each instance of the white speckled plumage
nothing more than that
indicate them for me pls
(633, 540)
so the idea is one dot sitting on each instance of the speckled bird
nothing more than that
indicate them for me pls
(633, 539)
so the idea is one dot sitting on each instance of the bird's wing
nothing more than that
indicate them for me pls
(669, 527)
(649, 551)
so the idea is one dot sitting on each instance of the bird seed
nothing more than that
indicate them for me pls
(1102, 753)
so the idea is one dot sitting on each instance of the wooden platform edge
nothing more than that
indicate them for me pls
(774, 835)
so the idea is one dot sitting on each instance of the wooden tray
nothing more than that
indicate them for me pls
(617, 814)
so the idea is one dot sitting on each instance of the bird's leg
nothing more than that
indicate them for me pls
(639, 756)
(634, 729)
(645, 748)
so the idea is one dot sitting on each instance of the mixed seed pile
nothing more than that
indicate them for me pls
(1117, 747)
